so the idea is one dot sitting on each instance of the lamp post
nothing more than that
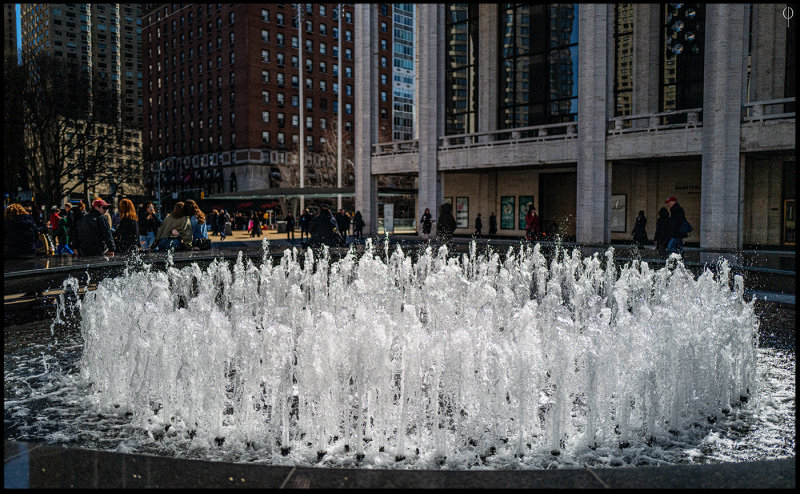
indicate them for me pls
(339, 116)
(302, 103)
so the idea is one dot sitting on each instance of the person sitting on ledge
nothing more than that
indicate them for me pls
(20, 233)
(175, 233)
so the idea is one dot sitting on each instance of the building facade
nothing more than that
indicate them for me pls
(9, 30)
(105, 41)
(593, 112)
(222, 96)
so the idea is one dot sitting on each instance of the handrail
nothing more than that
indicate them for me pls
(516, 134)
(655, 121)
(753, 111)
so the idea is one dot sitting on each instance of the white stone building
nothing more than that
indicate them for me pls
(594, 112)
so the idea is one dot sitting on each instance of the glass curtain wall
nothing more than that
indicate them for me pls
(538, 64)
(623, 59)
(682, 40)
(461, 69)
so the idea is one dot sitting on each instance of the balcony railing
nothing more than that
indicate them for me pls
(540, 133)
(758, 111)
(656, 122)
(395, 147)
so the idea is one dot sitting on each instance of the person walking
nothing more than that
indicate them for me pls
(212, 221)
(305, 224)
(54, 219)
(358, 225)
(478, 225)
(446, 224)
(175, 233)
(197, 220)
(224, 222)
(93, 235)
(661, 237)
(128, 229)
(255, 231)
(77, 213)
(289, 227)
(677, 230)
(492, 225)
(639, 232)
(426, 221)
(63, 236)
(20, 233)
(531, 223)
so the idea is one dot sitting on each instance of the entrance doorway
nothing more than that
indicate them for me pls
(558, 204)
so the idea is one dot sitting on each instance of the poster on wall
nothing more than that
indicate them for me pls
(448, 200)
(524, 203)
(507, 212)
(462, 212)
(618, 212)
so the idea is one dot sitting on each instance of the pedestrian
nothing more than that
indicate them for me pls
(426, 221)
(255, 231)
(78, 212)
(213, 216)
(197, 220)
(639, 232)
(478, 225)
(93, 235)
(175, 233)
(289, 227)
(305, 224)
(107, 215)
(116, 218)
(224, 224)
(68, 214)
(661, 237)
(679, 228)
(358, 225)
(492, 225)
(341, 224)
(445, 224)
(62, 235)
(149, 222)
(323, 229)
(54, 219)
(20, 233)
(531, 223)
(128, 227)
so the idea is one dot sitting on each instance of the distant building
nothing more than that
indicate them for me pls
(9, 29)
(105, 40)
(593, 112)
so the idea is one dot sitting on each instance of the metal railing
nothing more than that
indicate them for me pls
(655, 122)
(758, 111)
(566, 130)
(395, 147)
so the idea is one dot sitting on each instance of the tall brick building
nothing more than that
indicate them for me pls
(222, 95)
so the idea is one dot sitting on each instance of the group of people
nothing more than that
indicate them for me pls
(531, 223)
(326, 227)
(671, 228)
(97, 232)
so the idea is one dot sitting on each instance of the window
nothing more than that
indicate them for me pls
(321, 10)
(265, 56)
(384, 62)
(309, 45)
(309, 103)
(323, 29)
(309, 84)
(281, 135)
(265, 76)
(384, 79)
(281, 119)
(265, 137)
(335, 88)
(348, 108)
(348, 35)
(295, 121)
(348, 90)
(348, 71)
(309, 27)
(348, 54)
(265, 116)
(281, 99)
(230, 18)
(384, 95)
(323, 86)
(295, 62)
(295, 42)
(280, 60)
(265, 15)
(264, 35)
(295, 82)
(279, 39)
(309, 65)
(323, 67)
(231, 38)
(295, 100)
(323, 123)
(323, 48)
(348, 17)
(280, 79)
(682, 57)
(460, 69)
(623, 68)
(231, 58)
(384, 27)
(384, 9)
(279, 21)
(384, 45)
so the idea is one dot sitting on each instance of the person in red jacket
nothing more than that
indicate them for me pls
(54, 219)
(532, 223)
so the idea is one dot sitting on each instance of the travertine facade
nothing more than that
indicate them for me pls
(702, 110)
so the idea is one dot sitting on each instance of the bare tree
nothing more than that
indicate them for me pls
(73, 136)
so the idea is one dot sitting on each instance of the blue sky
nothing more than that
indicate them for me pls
(19, 26)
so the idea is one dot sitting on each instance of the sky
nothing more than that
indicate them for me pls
(19, 28)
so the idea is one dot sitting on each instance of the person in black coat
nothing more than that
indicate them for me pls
(92, 233)
(677, 217)
(358, 225)
(128, 229)
(446, 224)
(492, 225)
(478, 225)
(323, 230)
(289, 227)
(639, 231)
(661, 237)
(20, 233)
(426, 221)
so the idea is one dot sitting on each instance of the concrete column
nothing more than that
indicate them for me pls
(646, 46)
(366, 110)
(768, 54)
(488, 24)
(725, 61)
(430, 89)
(593, 173)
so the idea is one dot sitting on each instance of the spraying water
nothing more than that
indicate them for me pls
(442, 357)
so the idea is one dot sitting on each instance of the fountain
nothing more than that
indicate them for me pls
(439, 361)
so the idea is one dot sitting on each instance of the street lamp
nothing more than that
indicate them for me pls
(301, 82)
